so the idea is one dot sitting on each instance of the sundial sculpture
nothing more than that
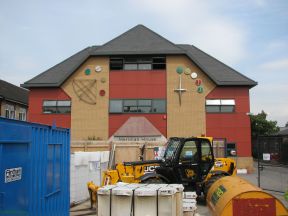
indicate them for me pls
(180, 90)
(85, 89)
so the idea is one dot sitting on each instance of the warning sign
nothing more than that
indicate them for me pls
(13, 174)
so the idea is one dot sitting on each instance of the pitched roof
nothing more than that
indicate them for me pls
(13, 93)
(219, 72)
(137, 126)
(136, 41)
(283, 132)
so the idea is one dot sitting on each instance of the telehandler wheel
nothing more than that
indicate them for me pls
(153, 181)
(210, 182)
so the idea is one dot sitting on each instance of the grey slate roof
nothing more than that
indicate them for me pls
(283, 132)
(138, 41)
(13, 93)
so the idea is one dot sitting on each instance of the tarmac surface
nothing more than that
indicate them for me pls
(202, 209)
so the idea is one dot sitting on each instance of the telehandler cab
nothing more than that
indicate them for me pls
(187, 161)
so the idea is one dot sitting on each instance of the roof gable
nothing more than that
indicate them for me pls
(138, 40)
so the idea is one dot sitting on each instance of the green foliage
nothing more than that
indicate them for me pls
(261, 126)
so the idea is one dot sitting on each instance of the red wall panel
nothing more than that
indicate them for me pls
(117, 120)
(36, 97)
(235, 127)
(137, 84)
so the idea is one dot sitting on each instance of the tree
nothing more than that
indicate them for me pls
(261, 126)
(286, 124)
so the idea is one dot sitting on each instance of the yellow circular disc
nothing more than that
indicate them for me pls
(187, 71)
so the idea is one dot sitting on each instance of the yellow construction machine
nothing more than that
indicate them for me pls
(187, 161)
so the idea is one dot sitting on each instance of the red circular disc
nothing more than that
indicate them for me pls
(102, 92)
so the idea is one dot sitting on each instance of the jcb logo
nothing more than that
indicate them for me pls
(149, 169)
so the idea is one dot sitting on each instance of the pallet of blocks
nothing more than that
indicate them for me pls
(189, 203)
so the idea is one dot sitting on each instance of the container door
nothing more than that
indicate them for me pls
(14, 176)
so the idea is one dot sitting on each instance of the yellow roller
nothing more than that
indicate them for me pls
(234, 196)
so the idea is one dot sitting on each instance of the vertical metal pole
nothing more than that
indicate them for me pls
(258, 159)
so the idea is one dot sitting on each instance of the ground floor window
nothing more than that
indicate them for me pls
(56, 106)
(137, 106)
(10, 111)
(220, 105)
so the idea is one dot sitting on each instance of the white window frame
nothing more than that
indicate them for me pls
(22, 114)
(11, 111)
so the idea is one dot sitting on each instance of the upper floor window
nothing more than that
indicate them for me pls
(56, 106)
(220, 105)
(10, 111)
(137, 106)
(22, 114)
(138, 63)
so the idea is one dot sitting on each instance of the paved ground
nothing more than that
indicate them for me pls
(269, 177)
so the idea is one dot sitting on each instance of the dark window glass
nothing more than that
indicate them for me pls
(159, 106)
(115, 106)
(227, 108)
(144, 102)
(130, 67)
(212, 108)
(144, 109)
(144, 66)
(138, 106)
(61, 107)
(116, 64)
(138, 63)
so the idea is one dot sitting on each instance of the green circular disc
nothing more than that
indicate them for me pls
(200, 89)
(179, 70)
(103, 80)
(87, 71)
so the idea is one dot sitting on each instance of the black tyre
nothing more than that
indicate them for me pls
(153, 181)
(210, 182)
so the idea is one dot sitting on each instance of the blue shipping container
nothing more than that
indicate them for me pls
(34, 169)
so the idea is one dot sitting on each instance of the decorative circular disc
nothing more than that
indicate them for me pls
(198, 82)
(103, 80)
(200, 89)
(179, 70)
(102, 92)
(187, 71)
(98, 68)
(87, 71)
(194, 75)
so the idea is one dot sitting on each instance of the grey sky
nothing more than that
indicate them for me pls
(250, 36)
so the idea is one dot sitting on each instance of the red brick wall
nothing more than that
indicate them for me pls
(235, 127)
(136, 85)
(36, 97)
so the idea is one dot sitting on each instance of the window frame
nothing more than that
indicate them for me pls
(138, 106)
(119, 63)
(56, 107)
(220, 104)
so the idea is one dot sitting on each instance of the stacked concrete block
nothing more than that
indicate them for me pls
(189, 203)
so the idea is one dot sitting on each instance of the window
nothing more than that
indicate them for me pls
(22, 114)
(56, 106)
(9, 111)
(189, 152)
(138, 106)
(53, 174)
(116, 106)
(138, 63)
(220, 105)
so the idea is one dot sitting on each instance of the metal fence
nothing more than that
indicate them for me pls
(272, 159)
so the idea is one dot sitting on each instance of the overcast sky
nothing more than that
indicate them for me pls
(250, 36)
